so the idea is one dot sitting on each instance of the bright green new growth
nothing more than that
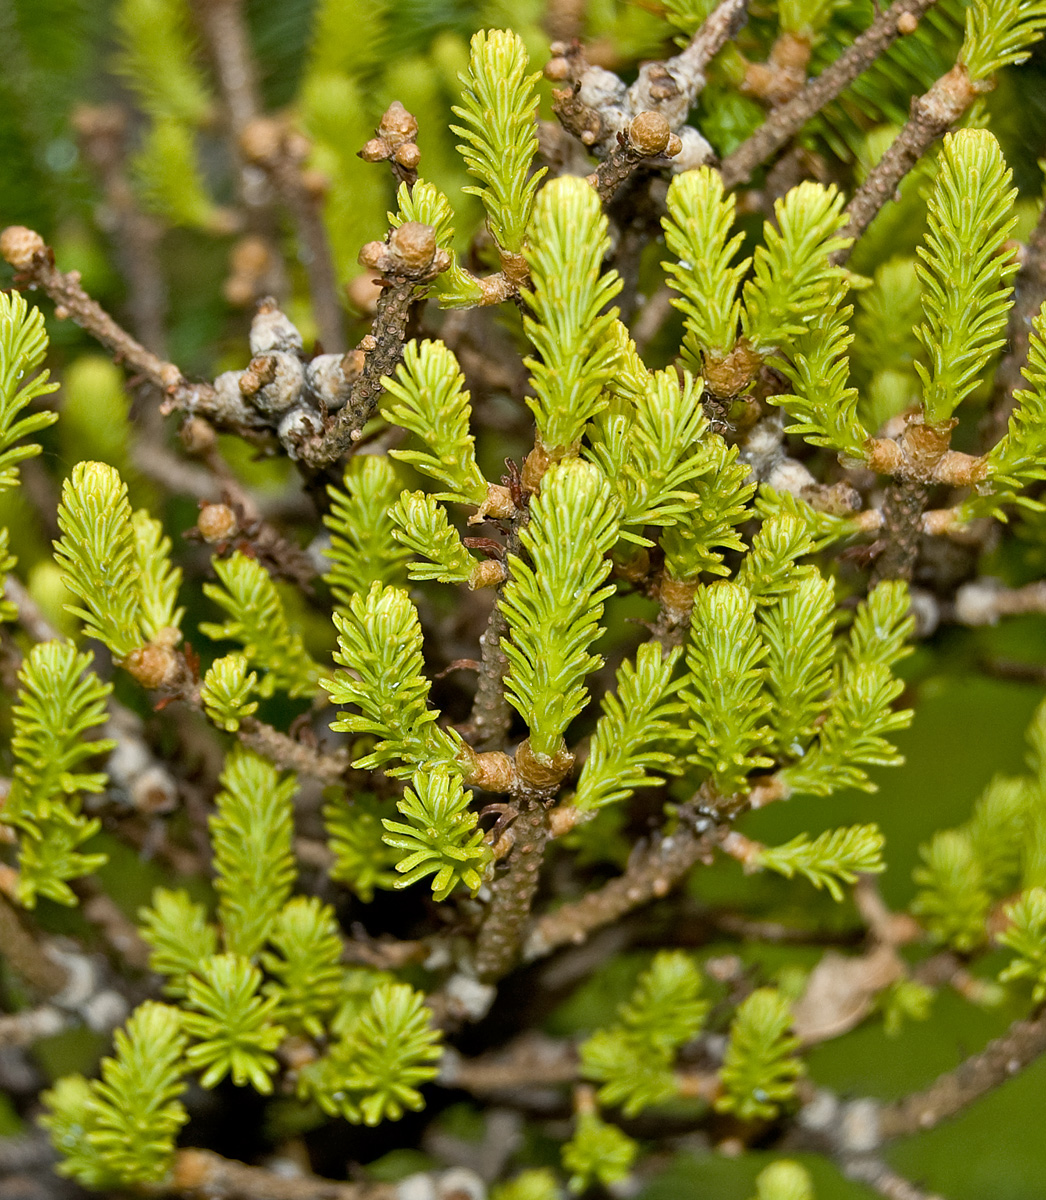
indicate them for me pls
(725, 687)
(966, 273)
(859, 712)
(837, 856)
(156, 57)
(180, 936)
(226, 692)
(98, 555)
(120, 1130)
(434, 405)
(954, 902)
(257, 620)
(59, 700)
(597, 1152)
(422, 526)
(1018, 458)
(441, 838)
(650, 445)
(379, 640)
(1026, 937)
(793, 276)
(697, 231)
(631, 734)
(798, 633)
(633, 1059)
(234, 1025)
(694, 544)
(570, 326)
(999, 33)
(169, 179)
(362, 860)
(306, 966)
(553, 604)
(770, 571)
(363, 550)
(822, 406)
(498, 110)
(759, 1070)
(372, 1073)
(23, 344)
(539, 1183)
(252, 831)
(158, 581)
(784, 1181)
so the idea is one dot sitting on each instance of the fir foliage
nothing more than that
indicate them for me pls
(234, 1026)
(59, 700)
(1026, 937)
(598, 1152)
(953, 902)
(698, 232)
(362, 859)
(440, 837)
(422, 526)
(498, 109)
(784, 1180)
(999, 33)
(835, 857)
(434, 405)
(695, 543)
(631, 734)
(120, 1130)
(177, 930)
(362, 549)
(965, 273)
(373, 1071)
(379, 641)
(23, 344)
(252, 831)
(553, 604)
(725, 688)
(759, 1070)
(257, 620)
(158, 581)
(306, 966)
(569, 324)
(98, 555)
(226, 692)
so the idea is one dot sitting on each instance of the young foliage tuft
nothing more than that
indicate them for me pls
(226, 692)
(569, 323)
(363, 550)
(180, 936)
(965, 271)
(362, 860)
(759, 1071)
(373, 1072)
(598, 1152)
(306, 966)
(553, 604)
(440, 837)
(1026, 937)
(836, 857)
(434, 405)
(252, 832)
(257, 620)
(23, 344)
(120, 1130)
(498, 110)
(379, 641)
(422, 526)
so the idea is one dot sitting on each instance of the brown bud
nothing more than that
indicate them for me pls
(259, 373)
(20, 246)
(373, 255)
(376, 150)
(352, 365)
(408, 156)
(557, 69)
(907, 23)
(492, 771)
(674, 147)
(398, 125)
(677, 597)
(539, 771)
(499, 503)
(152, 666)
(649, 133)
(216, 522)
(413, 246)
(488, 573)
(316, 183)
(262, 139)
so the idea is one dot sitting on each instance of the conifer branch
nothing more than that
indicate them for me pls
(788, 119)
